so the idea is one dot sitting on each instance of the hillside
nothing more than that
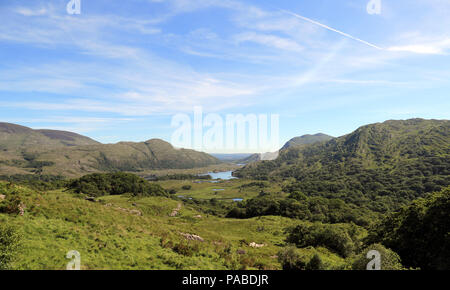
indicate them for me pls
(307, 139)
(27, 151)
(380, 165)
(119, 232)
(15, 137)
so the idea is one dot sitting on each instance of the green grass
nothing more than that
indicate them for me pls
(206, 190)
(110, 237)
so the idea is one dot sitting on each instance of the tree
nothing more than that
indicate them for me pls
(419, 233)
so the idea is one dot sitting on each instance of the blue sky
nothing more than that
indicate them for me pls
(120, 70)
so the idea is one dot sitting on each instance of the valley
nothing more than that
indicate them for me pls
(319, 205)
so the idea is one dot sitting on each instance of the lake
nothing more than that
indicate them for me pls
(225, 175)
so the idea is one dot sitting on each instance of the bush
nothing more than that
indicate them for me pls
(11, 205)
(389, 259)
(339, 239)
(315, 263)
(99, 184)
(419, 233)
(186, 187)
(10, 243)
(187, 249)
(290, 260)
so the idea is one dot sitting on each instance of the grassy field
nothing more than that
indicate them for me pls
(119, 232)
(225, 190)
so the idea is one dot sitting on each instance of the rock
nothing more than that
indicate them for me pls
(130, 211)
(22, 209)
(135, 212)
(198, 216)
(90, 198)
(176, 210)
(2, 197)
(255, 245)
(192, 237)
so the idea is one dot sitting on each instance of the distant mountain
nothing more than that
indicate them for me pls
(25, 151)
(252, 158)
(258, 157)
(232, 157)
(307, 139)
(394, 160)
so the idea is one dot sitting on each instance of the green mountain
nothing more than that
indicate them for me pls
(381, 166)
(25, 151)
(307, 139)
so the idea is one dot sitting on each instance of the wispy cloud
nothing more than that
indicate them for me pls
(269, 40)
(432, 47)
(331, 29)
(30, 12)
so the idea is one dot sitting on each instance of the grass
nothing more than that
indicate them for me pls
(226, 190)
(108, 236)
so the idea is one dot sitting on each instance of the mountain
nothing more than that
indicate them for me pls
(25, 151)
(306, 139)
(252, 158)
(296, 141)
(258, 157)
(15, 137)
(231, 157)
(382, 165)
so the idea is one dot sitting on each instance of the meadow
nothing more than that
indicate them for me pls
(123, 232)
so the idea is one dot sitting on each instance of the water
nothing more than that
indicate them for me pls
(238, 199)
(224, 175)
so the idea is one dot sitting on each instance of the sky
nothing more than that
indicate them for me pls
(121, 70)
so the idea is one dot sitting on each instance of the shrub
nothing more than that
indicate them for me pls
(186, 187)
(291, 260)
(99, 184)
(315, 263)
(333, 237)
(186, 248)
(10, 243)
(419, 233)
(389, 259)
(11, 205)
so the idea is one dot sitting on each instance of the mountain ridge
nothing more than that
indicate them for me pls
(396, 159)
(27, 151)
(306, 139)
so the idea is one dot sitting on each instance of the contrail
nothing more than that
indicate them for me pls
(331, 28)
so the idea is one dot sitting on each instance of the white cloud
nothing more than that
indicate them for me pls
(431, 47)
(269, 40)
(30, 12)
